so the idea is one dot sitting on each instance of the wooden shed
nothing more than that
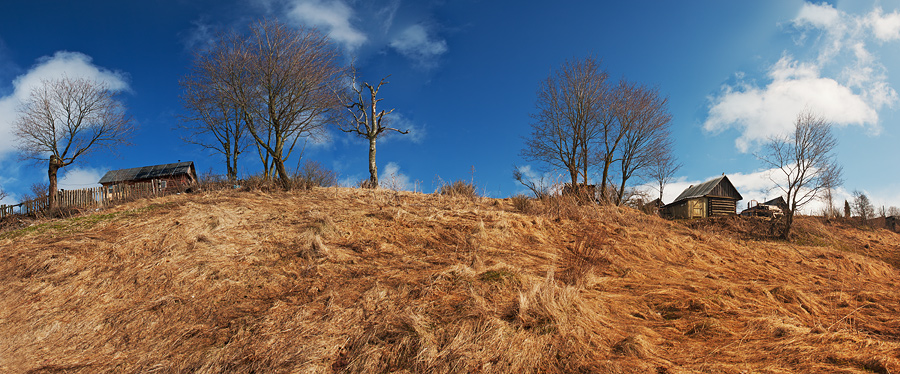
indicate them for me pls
(713, 198)
(779, 202)
(179, 175)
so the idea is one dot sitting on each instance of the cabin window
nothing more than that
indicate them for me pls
(162, 184)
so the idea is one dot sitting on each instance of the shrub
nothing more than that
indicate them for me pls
(522, 203)
(458, 189)
(211, 181)
(313, 174)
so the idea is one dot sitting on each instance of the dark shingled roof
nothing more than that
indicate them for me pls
(148, 172)
(703, 189)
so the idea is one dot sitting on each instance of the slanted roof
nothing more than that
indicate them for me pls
(148, 172)
(778, 201)
(718, 187)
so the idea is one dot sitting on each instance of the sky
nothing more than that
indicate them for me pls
(463, 77)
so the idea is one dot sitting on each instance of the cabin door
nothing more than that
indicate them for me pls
(696, 208)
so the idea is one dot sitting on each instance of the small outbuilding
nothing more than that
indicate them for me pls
(713, 198)
(179, 175)
(779, 202)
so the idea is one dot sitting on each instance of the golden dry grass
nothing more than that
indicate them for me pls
(347, 280)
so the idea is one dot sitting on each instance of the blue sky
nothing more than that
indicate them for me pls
(464, 73)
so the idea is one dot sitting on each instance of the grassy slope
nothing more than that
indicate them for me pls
(362, 281)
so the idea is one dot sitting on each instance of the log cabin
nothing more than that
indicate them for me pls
(713, 198)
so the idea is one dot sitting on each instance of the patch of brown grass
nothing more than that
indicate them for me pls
(350, 280)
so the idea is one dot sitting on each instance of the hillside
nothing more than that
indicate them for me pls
(348, 280)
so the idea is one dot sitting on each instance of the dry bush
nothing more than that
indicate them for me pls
(522, 203)
(460, 188)
(313, 174)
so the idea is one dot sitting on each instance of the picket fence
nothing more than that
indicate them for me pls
(91, 197)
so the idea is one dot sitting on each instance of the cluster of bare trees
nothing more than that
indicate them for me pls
(273, 84)
(593, 128)
(272, 87)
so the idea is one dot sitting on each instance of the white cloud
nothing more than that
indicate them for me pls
(200, 37)
(415, 43)
(63, 63)
(818, 15)
(763, 112)
(334, 16)
(885, 27)
(78, 178)
(392, 178)
(846, 83)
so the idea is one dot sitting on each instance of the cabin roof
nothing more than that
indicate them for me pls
(721, 186)
(776, 201)
(148, 172)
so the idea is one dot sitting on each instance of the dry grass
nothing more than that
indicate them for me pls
(348, 280)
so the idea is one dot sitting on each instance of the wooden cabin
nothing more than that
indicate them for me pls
(177, 176)
(713, 198)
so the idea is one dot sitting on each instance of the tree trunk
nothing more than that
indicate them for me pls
(603, 195)
(285, 178)
(788, 222)
(373, 168)
(55, 164)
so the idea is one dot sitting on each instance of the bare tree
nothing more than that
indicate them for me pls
(862, 206)
(893, 211)
(565, 126)
(830, 210)
(66, 119)
(662, 170)
(644, 122)
(282, 81)
(3, 194)
(213, 122)
(540, 188)
(367, 121)
(805, 163)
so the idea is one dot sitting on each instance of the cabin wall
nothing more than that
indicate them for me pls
(721, 207)
(692, 208)
(701, 207)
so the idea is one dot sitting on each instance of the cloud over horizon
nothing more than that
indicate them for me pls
(846, 83)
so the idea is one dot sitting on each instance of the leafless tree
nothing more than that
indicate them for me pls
(644, 121)
(367, 121)
(893, 211)
(804, 162)
(212, 123)
(282, 81)
(540, 188)
(662, 170)
(67, 118)
(862, 206)
(566, 125)
(830, 211)
(3, 194)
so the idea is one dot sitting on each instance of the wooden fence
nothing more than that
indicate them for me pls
(91, 197)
